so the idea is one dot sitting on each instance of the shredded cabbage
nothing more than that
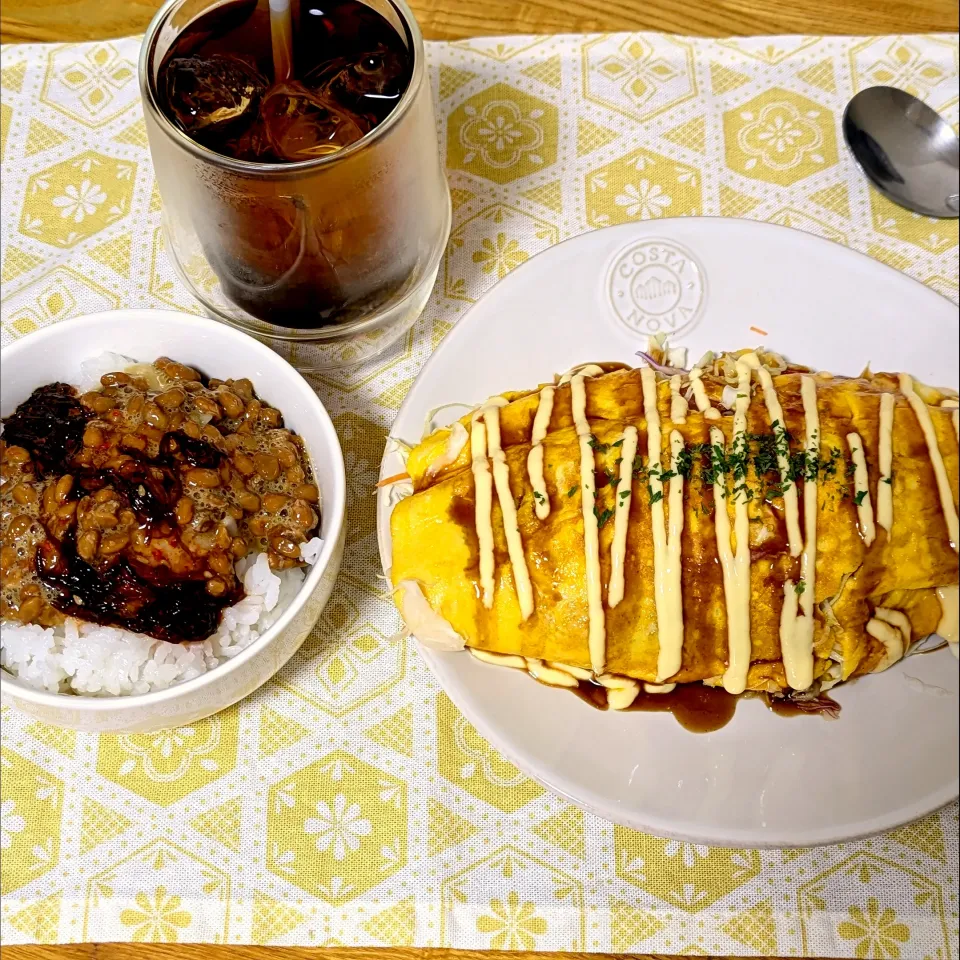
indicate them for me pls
(400, 446)
(423, 621)
(706, 361)
(399, 491)
(677, 357)
(429, 426)
(928, 644)
(832, 677)
(457, 440)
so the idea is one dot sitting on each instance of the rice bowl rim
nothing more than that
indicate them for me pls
(332, 512)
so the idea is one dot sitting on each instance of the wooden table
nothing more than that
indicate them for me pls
(57, 20)
(60, 20)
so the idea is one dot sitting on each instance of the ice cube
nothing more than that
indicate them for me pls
(300, 124)
(250, 144)
(370, 84)
(212, 95)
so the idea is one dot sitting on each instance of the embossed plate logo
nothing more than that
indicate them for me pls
(657, 286)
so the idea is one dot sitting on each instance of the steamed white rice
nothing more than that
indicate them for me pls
(87, 659)
(93, 368)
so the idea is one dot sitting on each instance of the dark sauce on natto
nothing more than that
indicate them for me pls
(123, 593)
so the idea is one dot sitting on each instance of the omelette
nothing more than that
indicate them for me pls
(747, 524)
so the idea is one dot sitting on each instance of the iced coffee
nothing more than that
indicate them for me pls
(301, 196)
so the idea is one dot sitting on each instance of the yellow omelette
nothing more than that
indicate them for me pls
(747, 524)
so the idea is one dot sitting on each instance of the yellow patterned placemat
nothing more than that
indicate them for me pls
(348, 802)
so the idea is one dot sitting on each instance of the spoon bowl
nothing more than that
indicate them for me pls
(906, 150)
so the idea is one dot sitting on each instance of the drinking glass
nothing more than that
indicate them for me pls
(334, 257)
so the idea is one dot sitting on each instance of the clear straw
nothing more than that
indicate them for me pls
(281, 35)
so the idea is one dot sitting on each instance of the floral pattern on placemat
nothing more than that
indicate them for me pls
(348, 802)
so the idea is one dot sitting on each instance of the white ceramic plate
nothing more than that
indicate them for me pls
(763, 780)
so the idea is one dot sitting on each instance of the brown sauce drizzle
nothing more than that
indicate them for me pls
(463, 514)
(695, 707)
(588, 692)
(702, 709)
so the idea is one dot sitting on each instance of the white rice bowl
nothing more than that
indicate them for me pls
(107, 680)
(96, 661)
(93, 660)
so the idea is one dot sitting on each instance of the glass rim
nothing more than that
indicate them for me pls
(280, 170)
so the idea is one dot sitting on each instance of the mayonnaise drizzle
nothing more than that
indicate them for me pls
(891, 636)
(547, 672)
(936, 458)
(622, 496)
(796, 630)
(499, 659)
(597, 636)
(861, 487)
(885, 457)
(584, 370)
(579, 672)
(666, 545)
(952, 403)
(949, 626)
(621, 691)
(550, 675)
(678, 403)
(483, 507)
(736, 568)
(898, 619)
(541, 423)
(808, 559)
(699, 391)
(777, 421)
(508, 510)
(671, 654)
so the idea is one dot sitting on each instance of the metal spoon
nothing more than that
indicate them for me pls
(906, 149)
